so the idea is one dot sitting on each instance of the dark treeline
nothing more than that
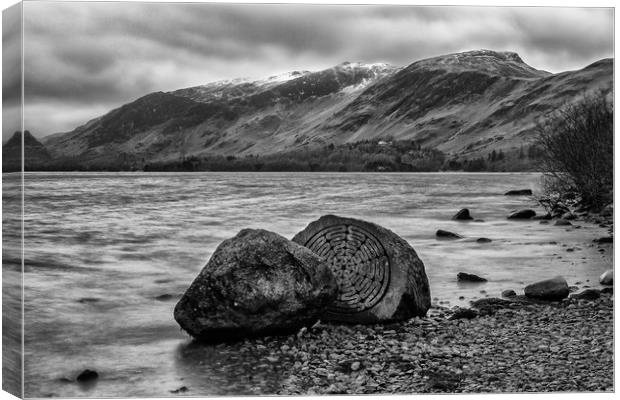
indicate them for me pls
(364, 156)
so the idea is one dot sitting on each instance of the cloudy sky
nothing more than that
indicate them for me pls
(83, 59)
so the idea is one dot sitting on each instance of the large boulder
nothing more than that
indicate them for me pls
(380, 276)
(549, 289)
(256, 283)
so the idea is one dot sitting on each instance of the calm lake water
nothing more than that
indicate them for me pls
(102, 248)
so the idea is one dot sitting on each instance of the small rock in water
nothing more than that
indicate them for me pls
(462, 215)
(441, 234)
(519, 192)
(607, 278)
(85, 300)
(544, 222)
(549, 289)
(164, 297)
(182, 389)
(87, 375)
(562, 222)
(509, 293)
(608, 239)
(484, 240)
(522, 214)
(465, 277)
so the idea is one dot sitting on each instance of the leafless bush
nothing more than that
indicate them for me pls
(578, 145)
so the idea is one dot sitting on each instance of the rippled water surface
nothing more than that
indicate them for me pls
(108, 254)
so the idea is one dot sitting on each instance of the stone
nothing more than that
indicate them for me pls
(465, 277)
(549, 289)
(441, 234)
(608, 239)
(544, 222)
(588, 294)
(562, 222)
(380, 277)
(463, 313)
(87, 375)
(462, 215)
(509, 293)
(257, 283)
(483, 240)
(607, 278)
(572, 289)
(607, 290)
(520, 192)
(355, 365)
(522, 214)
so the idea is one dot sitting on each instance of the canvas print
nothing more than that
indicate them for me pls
(216, 199)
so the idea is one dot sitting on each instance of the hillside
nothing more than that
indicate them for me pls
(35, 154)
(466, 105)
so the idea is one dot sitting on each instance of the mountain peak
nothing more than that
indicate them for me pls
(505, 63)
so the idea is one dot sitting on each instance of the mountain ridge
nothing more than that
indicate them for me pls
(463, 104)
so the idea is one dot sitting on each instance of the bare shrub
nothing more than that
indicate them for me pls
(577, 142)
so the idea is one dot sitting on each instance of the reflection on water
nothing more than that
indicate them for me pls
(109, 254)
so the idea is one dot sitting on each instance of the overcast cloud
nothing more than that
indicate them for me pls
(83, 59)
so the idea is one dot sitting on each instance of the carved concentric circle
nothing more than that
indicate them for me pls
(359, 262)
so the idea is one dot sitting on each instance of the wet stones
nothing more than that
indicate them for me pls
(588, 294)
(380, 277)
(509, 293)
(462, 215)
(519, 192)
(607, 278)
(441, 234)
(522, 214)
(88, 375)
(550, 289)
(256, 283)
(463, 313)
(465, 277)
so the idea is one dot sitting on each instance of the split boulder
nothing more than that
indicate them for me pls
(380, 277)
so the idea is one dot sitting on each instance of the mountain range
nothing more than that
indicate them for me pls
(465, 105)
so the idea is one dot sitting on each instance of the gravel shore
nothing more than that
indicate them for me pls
(512, 346)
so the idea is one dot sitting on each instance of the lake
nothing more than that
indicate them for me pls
(107, 255)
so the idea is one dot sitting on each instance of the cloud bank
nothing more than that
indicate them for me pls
(83, 59)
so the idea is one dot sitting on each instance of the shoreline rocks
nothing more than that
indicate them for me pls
(256, 283)
(607, 278)
(549, 289)
(522, 214)
(465, 277)
(519, 192)
(380, 277)
(463, 215)
(441, 234)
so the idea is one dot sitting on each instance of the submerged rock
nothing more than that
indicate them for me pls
(509, 293)
(256, 283)
(483, 240)
(522, 214)
(608, 239)
(465, 277)
(607, 278)
(441, 234)
(519, 192)
(462, 215)
(549, 289)
(87, 375)
(380, 277)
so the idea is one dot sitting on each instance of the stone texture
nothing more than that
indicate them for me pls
(462, 215)
(522, 214)
(607, 278)
(549, 289)
(256, 283)
(380, 276)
